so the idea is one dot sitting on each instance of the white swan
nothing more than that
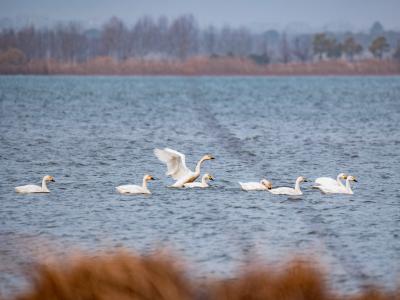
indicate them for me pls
(332, 189)
(290, 191)
(31, 188)
(176, 166)
(203, 184)
(327, 181)
(263, 185)
(135, 189)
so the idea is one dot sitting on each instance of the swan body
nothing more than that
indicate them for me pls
(31, 188)
(135, 189)
(176, 166)
(203, 184)
(327, 181)
(263, 185)
(290, 191)
(338, 189)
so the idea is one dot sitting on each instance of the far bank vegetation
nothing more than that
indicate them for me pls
(181, 47)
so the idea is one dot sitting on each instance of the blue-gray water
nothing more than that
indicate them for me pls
(94, 133)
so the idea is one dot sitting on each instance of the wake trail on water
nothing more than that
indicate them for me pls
(238, 149)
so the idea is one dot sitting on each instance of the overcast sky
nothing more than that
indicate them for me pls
(356, 14)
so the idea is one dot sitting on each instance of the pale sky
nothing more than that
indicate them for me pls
(315, 14)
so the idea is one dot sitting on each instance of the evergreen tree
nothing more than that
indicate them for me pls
(351, 48)
(321, 44)
(379, 46)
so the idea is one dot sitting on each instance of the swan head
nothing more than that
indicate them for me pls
(208, 157)
(351, 178)
(302, 179)
(149, 177)
(342, 176)
(209, 177)
(49, 178)
(266, 183)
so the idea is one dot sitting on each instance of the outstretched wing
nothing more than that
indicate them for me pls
(175, 161)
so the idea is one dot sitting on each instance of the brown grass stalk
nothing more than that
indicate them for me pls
(123, 275)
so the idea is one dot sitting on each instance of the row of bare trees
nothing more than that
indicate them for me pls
(182, 38)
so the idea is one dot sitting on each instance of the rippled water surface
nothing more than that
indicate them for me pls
(94, 133)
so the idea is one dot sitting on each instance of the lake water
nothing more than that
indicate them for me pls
(94, 133)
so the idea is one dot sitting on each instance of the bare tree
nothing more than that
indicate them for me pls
(8, 39)
(162, 42)
(285, 49)
(183, 36)
(396, 54)
(210, 40)
(26, 41)
(145, 34)
(302, 48)
(225, 41)
(112, 38)
(71, 41)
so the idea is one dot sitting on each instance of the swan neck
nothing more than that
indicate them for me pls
(44, 186)
(198, 166)
(204, 180)
(340, 183)
(348, 187)
(144, 184)
(297, 186)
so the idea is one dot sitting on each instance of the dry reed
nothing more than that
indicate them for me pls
(201, 66)
(126, 276)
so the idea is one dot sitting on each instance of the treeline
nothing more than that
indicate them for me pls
(182, 38)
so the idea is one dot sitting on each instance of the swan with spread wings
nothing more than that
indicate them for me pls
(176, 166)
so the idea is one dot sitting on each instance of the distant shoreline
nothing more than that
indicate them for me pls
(203, 66)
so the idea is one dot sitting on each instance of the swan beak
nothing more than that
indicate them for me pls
(152, 178)
(355, 180)
(211, 178)
(52, 180)
(305, 180)
(212, 157)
